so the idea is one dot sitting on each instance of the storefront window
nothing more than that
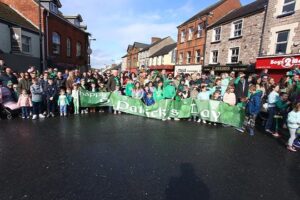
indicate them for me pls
(282, 40)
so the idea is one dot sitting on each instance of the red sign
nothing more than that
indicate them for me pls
(287, 62)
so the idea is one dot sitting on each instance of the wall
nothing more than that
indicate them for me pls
(28, 8)
(275, 24)
(5, 43)
(66, 30)
(198, 43)
(249, 42)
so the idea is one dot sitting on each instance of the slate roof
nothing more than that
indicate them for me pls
(11, 16)
(152, 45)
(204, 12)
(249, 9)
(140, 45)
(165, 50)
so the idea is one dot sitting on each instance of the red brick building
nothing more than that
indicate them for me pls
(65, 40)
(192, 34)
(132, 55)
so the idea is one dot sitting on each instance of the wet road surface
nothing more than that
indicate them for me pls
(99, 157)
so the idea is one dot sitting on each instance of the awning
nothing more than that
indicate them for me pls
(278, 62)
(161, 67)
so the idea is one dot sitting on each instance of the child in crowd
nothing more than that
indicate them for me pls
(272, 99)
(293, 125)
(93, 89)
(75, 96)
(117, 91)
(62, 103)
(137, 92)
(102, 87)
(70, 101)
(51, 92)
(252, 110)
(25, 103)
(149, 100)
(204, 95)
(129, 87)
(37, 99)
(217, 96)
(229, 96)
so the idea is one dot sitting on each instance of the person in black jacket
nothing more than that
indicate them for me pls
(241, 87)
(113, 81)
(51, 93)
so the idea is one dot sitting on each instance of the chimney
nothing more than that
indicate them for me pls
(155, 39)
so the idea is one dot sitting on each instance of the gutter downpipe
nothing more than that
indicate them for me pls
(263, 31)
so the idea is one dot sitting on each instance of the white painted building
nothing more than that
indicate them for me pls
(19, 40)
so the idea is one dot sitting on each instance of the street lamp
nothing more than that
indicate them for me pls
(41, 37)
(90, 51)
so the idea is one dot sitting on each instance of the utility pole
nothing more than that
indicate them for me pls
(41, 38)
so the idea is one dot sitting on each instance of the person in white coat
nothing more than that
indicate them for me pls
(293, 124)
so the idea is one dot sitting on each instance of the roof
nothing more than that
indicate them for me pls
(204, 12)
(125, 56)
(75, 17)
(57, 2)
(249, 9)
(140, 45)
(129, 47)
(9, 15)
(155, 43)
(165, 50)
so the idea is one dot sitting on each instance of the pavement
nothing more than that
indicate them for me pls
(102, 156)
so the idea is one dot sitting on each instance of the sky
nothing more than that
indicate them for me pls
(117, 23)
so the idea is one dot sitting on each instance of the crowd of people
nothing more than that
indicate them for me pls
(41, 95)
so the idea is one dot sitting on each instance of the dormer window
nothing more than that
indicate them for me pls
(53, 8)
(76, 22)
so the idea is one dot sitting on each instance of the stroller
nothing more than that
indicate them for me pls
(8, 108)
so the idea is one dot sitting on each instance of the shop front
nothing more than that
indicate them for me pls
(187, 69)
(277, 65)
(247, 69)
(168, 68)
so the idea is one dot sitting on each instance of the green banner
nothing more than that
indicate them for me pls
(213, 111)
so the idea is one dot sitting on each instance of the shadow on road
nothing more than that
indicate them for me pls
(187, 186)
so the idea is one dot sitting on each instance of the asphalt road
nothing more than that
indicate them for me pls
(99, 157)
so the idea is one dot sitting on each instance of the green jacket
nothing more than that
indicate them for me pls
(128, 89)
(169, 92)
(281, 105)
(158, 94)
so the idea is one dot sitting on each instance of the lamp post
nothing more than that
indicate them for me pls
(90, 51)
(41, 37)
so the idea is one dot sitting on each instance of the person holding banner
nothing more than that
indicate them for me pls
(158, 92)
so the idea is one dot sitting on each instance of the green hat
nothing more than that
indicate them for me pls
(9, 83)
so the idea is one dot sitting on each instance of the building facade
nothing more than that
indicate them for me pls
(64, 38)
(192, 34)
(156, 45)
(164, 59)
(19, 40)
(132, 55)
(233, 42)
(280, 50)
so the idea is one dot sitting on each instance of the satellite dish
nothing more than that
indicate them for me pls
(89, 51)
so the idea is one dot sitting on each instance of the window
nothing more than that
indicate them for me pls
(78, 50)
(53, 8)
(68, 47)
(217, 34)
(182, 40)
(237, 28)
(26, 44)
(180, 58)
(156, 59)
(174, 53)
(200, 30)
(214, 57)
(198, 56)
(162, 60)
(191, 33)
(234, 58)
(288, 6)
(282, 40)
(188, 57)
(55, 43)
